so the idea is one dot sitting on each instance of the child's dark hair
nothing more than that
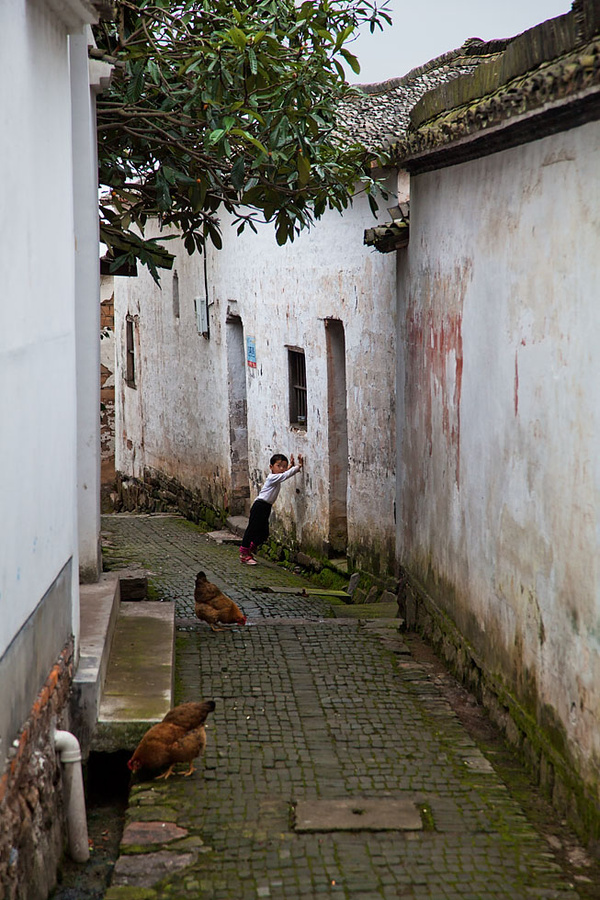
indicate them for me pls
(278, 457)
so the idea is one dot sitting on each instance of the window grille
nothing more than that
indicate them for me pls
(176, 295)
(130, 351)
(297, 374)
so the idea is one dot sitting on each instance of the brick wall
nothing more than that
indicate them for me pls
(33, 832)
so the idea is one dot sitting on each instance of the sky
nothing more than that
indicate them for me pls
(425, 29)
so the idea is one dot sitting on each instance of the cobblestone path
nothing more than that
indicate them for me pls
(312, 707)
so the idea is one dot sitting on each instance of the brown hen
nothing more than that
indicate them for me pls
(180, 737)
(213, 606)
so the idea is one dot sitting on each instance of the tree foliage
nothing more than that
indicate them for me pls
(225, 104)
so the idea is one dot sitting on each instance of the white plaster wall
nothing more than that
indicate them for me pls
(177, 420)
(283, 296)
(499, 472)
(37, 343)
(87, 293)
(38, 414)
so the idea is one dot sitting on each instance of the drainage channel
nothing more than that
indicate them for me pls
(107, 790)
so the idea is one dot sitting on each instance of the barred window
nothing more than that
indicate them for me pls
(176, 295)
(297, 375)
(130, 351)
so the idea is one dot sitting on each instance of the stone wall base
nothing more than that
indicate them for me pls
(156, 493)
(555, 774)
(33, 832)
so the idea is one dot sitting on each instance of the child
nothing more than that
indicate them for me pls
(258, 524)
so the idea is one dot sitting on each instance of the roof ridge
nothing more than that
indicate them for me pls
(472, 47)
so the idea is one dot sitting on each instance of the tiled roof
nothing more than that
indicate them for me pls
(547, 80)
(378, 114)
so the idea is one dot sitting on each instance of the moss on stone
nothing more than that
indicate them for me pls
(126, 892)
(540, 743)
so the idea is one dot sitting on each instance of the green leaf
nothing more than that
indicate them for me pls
(210, 110)
(238, 173)
(351, 60)
(344, 35)
(215, 136)
(252, 61)
(154, 72)
(237, 37)
(303, 165)
(215, 236)
(282, 233)
(251, 139)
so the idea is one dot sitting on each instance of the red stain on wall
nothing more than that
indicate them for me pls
(434, 378)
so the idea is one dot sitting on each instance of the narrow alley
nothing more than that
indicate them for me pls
(335, 765)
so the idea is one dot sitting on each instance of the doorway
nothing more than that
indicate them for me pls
(238, 417)
(338, 436)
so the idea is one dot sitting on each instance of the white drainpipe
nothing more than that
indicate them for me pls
(70, 756)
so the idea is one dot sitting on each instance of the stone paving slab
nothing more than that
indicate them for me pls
(357, 814)
(307, 712)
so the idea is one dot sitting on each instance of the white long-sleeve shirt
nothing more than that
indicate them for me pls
(270, 489)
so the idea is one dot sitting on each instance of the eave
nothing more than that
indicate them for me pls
(389, 237)
(76, 13)
(556, 96)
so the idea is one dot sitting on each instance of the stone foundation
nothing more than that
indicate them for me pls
(33, 833)
(157, 493)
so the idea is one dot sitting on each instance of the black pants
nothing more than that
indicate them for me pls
(258, 524)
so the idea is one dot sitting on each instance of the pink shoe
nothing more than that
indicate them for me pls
(246, 556)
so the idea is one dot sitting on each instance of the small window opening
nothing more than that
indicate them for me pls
(297, 370)
(130, 351)
(176, 295)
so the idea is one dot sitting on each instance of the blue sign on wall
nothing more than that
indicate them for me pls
(251, 352)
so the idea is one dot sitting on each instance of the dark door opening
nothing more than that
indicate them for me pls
(238, 417)
(338, 436)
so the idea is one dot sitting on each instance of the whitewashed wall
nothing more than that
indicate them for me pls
(43, 162)
(37, 340)
(499, 383)
(177, 420)
(174, 420)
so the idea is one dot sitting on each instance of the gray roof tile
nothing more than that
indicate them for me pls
(378, 114)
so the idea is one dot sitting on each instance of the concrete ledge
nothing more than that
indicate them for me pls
(99, 608)
(138, 690)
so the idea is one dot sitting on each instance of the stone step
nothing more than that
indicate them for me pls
(237, 525)
(99, 609)
(138, 690)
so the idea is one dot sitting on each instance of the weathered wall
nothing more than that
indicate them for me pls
(39, 553)
(499, 473)
(173, 419)
(32, 838)
(178, 418)
(107, 382)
